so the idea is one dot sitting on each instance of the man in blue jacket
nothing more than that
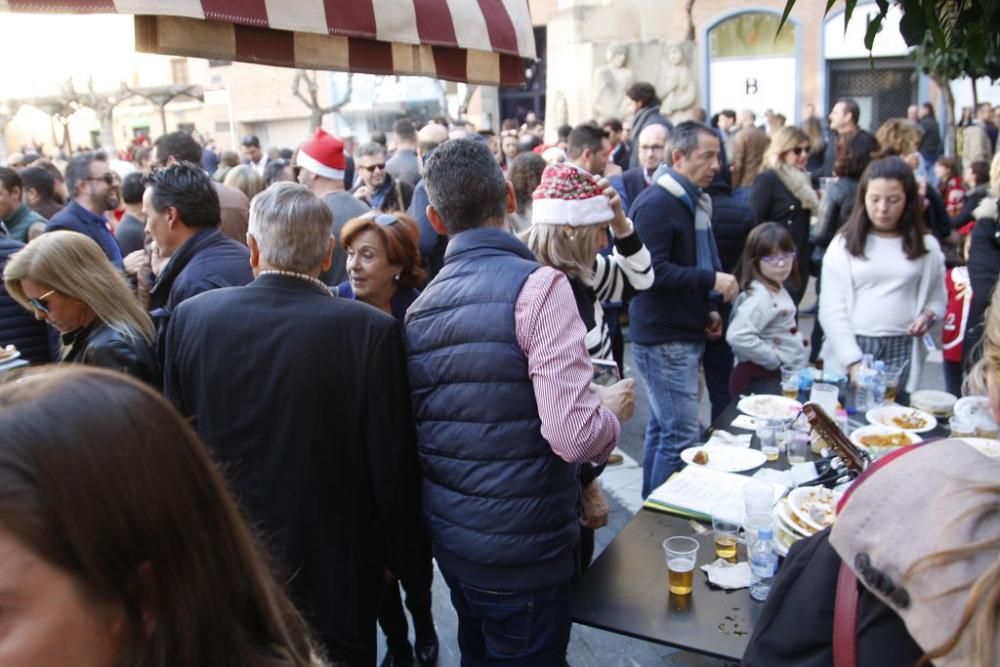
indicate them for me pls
(92, 187)
(183, 217)
(670, 321)
(499, 379)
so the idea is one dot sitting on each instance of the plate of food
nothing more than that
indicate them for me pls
(880, 439)
(9, 353)
(785, 518)
(766, 406)
(898, 416)
(986, 446)
(724, 458)
(813, 506)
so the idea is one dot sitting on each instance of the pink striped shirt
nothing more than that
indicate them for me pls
(550, 332)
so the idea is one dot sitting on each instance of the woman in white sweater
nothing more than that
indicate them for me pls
(883, 278)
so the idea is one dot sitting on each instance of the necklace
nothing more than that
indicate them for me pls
(301, 276)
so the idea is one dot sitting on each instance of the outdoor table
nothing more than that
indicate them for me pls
(625, 589)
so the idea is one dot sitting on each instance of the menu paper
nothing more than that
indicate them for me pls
(695, 490)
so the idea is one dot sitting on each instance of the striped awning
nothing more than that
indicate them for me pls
(476, 41)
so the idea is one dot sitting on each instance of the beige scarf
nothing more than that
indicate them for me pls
(800, 185)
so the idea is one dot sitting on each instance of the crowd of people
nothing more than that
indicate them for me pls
(350, 359)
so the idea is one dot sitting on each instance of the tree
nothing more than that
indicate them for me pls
(311, 96)
(962, 33)
(103, 105)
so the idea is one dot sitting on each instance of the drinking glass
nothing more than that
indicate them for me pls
(798, 445)
(962, 428)
(726, 528)
(825, 396)
(789, 381)
(682, 553)
(758, 499)
(892, 376)
(753, 523)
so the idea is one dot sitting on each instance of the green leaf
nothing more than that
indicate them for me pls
(873, 28)
(784, 15)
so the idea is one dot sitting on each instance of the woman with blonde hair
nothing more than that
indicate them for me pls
(245, 179)
(783, 193)
(65, 279)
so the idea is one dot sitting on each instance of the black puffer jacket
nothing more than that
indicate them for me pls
(18, 327)
(732, 221)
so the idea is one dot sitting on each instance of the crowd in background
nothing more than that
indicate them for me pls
(441, 406)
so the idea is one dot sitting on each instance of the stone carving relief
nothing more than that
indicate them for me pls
(678, 86)
(611, 80)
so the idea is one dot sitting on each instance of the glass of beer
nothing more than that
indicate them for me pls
(682, 553)
(726, 528)
(892, 376)
(790, 381)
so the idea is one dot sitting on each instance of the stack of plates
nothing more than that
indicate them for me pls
(977, 410)
(8, 355)
(802, 513)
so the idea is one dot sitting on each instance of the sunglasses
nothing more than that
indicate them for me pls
(799, 150)
(787, 258)
(374, 167)
(108, 178)
(39, 304)
(383, 219)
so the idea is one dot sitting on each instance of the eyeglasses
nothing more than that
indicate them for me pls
(799, 150)
(373, 167)
(651, 147)
(39, 304)
(108, 178)
(787, 258)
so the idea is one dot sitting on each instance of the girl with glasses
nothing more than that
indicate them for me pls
(763, 333)
(65, 279)
(783, 193)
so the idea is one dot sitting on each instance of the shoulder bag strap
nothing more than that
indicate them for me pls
(845, 619)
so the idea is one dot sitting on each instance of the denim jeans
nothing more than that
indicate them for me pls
(529, 628)
(670, 373)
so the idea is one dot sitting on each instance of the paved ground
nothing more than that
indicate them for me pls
(622, 486)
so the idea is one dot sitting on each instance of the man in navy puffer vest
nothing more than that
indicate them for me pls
(499, 377)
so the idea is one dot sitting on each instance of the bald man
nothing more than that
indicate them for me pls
(432, 244)
(651, 145)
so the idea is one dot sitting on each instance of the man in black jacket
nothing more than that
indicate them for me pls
(182, 216)
(303, 400)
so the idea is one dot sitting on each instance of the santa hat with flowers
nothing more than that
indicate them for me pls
(568, 195)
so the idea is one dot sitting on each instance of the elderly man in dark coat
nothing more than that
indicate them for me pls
(303, 399)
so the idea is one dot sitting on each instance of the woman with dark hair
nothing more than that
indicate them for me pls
(278, 171)
(977, 182)
(783, 193)
(383, 270)
(883, 278)
(817, 147)
(644, 103)
(119, 538)
(525, 173)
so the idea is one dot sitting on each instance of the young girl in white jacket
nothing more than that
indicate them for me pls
(763, 332)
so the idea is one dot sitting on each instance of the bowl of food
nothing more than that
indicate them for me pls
(879, 439)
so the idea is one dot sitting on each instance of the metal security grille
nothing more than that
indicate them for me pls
(888, 88)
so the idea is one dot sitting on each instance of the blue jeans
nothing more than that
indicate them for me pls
(670, 373)
(511, 627)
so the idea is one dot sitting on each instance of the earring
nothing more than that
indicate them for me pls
(396, 277)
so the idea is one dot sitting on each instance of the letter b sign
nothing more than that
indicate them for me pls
(751, 86)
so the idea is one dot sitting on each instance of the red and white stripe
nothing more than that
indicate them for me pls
(478, 41)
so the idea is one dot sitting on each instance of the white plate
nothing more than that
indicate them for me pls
(783, 540)
(784, 516)
(726, 459)
(766, 406)
(970, 407)
(879, 429)
(800, 499)
(884, 414)
(10, 357)
(986, 446)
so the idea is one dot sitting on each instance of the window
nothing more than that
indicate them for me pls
(179, 70)
(752, 34)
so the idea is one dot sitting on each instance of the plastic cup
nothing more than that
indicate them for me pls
(757, 499)
(726, 528)
(798, 446)
(825, 396)
(682, 554)
(962, 428)
(789, 381)
(753, 523)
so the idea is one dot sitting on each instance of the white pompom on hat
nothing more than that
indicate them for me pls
(323, 155)
(569, 196)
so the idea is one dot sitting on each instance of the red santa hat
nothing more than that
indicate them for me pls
(323, 155)
(568, 195)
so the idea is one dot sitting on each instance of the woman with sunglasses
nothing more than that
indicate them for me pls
(383, 269)
(883, 278)
(783, 193)
(64, 279)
